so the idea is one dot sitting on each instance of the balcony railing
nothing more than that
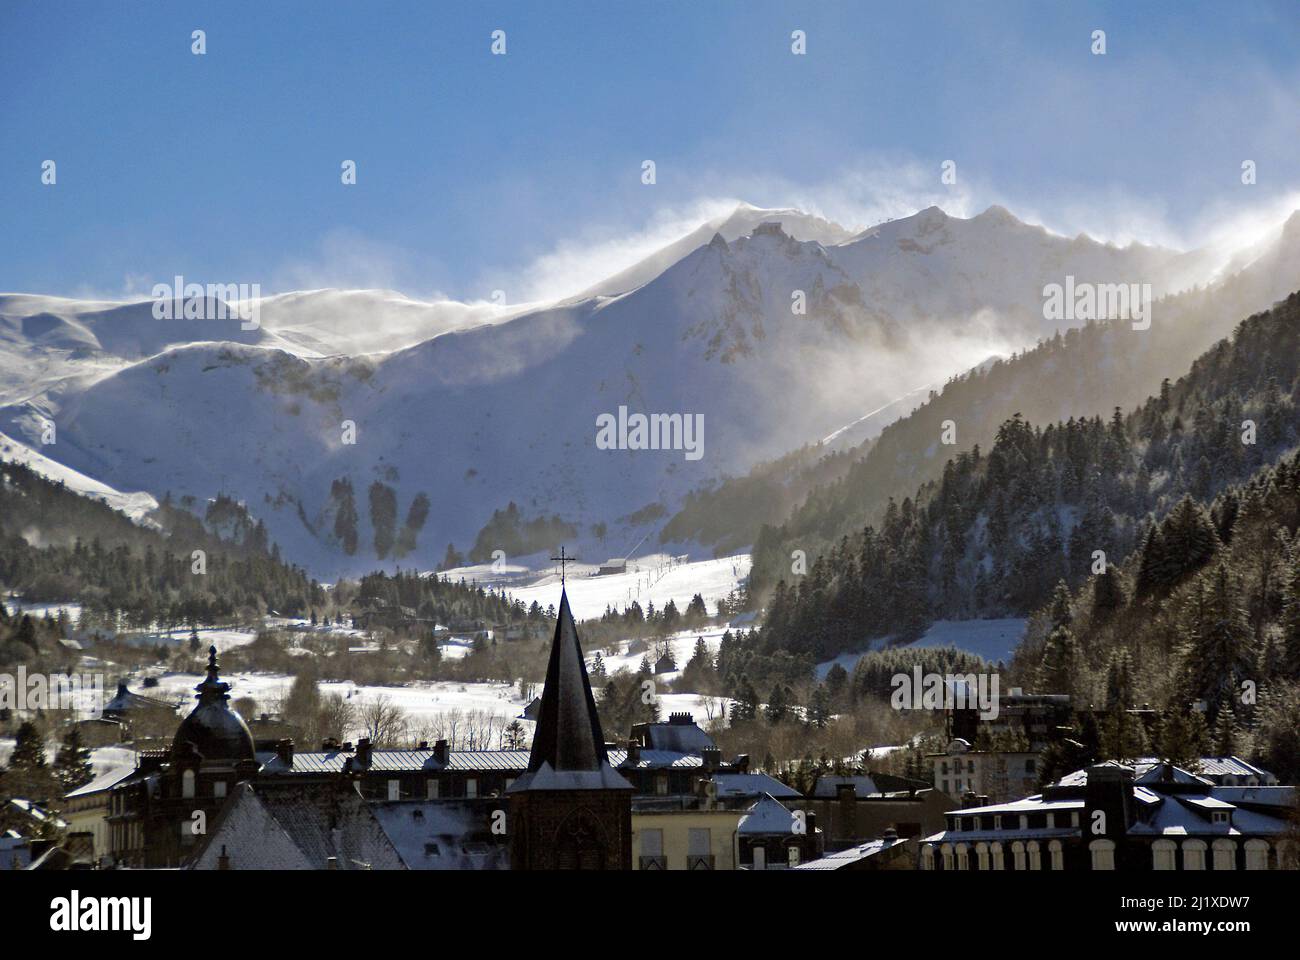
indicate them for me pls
(654, 863)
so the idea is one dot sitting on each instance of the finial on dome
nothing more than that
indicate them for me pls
(212, 688)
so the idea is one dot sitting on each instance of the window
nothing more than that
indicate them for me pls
(792, 856)
(471, 787)
(652, 850)
(1163, 853)
(652, 843)
(1103, 855)
(394, 790)
(760, 858)
(1030, 766)
(943, 767)
(970, 766)
(219, 788)
(187, 783)
(661, 784)
(1225, 854)
(699, 849)
(699, 841)
(1256, 854)
(431, 788)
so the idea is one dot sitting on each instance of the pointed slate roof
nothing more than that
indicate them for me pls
(568, 747)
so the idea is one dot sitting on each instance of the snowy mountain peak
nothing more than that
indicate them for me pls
(996, 213)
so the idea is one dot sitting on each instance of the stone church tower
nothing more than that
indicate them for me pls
(571, 810)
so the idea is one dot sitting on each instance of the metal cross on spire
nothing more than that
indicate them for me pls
(563, 559)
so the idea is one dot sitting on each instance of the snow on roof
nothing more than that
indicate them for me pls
(827, 787)
(843, 858)
(298, 827)
(441, 835)
(684, 737)
(1034, 804)
(768, 815)
(751, 785)
(547, 777)
(109, 778)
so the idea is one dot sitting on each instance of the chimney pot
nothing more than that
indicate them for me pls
(712, 758)
(442, 752)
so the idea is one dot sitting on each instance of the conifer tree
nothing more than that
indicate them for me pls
(72, 763)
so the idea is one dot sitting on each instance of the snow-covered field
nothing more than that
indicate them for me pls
(617, 657)
(653, 579)
(38, 610)
(422, 703)
(221, 639)
(994, 640)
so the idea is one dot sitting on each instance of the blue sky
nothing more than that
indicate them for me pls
(523, 172)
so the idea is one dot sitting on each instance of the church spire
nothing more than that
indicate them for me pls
(568, 733)
(570, 809)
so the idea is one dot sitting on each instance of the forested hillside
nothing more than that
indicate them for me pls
(996, 531)
(58, 546)
(809, 504)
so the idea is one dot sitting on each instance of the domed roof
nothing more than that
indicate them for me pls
(214, 730)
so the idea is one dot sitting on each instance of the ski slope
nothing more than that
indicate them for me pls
(655, 579)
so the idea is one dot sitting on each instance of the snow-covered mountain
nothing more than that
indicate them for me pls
(458, 410)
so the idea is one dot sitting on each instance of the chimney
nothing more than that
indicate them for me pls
(424, 745)
(329, 745)
(284, 751)
(742, 763)
(633, 752)
(363, 752)
(331, 863)
(681, 719)
(1110, 792)
(890, 835)
(441, 752)
(223, 860)
(846, 815)
(347, 746)
(712, 758)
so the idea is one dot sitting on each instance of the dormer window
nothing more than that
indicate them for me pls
(1221, 816)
